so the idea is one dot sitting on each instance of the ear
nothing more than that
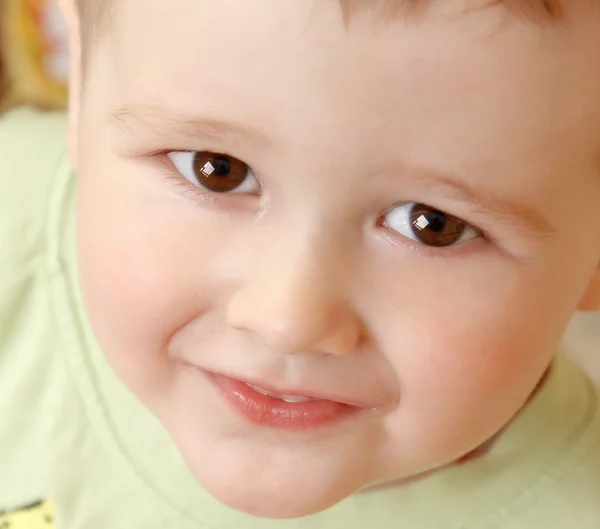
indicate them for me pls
(71, 16)
(591, 299)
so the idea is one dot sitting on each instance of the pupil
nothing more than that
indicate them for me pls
(222, 166)
(437, 221)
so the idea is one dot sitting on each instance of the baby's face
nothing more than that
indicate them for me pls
(396, 218)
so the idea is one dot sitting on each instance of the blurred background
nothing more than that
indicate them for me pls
(33, 71)
(582, 341)
(33, 54)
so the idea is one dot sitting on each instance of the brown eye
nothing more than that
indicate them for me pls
(218, 173)
(428, 225)
(435, 228)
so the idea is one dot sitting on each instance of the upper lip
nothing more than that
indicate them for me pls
(292, 391)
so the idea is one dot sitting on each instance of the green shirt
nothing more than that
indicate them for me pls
(73, 435)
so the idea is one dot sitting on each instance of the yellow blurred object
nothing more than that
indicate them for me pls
(34, 54)
(38, 516)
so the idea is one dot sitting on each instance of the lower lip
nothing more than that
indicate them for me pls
(270, 411)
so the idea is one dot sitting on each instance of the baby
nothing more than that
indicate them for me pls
(312, 271)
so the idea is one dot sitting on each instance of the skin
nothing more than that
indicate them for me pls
(301, 285)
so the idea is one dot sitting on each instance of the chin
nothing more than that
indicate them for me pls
(273, 491)
(274, 504)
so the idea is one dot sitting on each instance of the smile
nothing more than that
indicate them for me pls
(258, 405)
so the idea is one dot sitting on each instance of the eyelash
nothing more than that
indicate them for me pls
(204, 197)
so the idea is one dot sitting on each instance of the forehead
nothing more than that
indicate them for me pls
(296, 68)
(185, 36)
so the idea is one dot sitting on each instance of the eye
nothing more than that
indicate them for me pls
(428, 226)
(218, 173)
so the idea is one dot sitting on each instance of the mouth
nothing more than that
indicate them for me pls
(289, 410)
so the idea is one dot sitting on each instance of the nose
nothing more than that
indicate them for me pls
(295, 306)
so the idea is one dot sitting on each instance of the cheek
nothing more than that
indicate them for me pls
(144, 270)
(468, 343)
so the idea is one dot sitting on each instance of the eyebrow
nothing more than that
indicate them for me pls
(132, 117)
(169, 125)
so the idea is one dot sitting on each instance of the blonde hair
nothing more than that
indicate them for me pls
(96, 14)
(535, 10)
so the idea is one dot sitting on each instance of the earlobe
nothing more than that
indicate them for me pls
(591, 299)
(71, 16)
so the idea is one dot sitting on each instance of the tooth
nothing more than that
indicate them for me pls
(292, 399)
(260, 390)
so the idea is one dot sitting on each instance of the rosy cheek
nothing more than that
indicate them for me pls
(466, 349)
(139, 283)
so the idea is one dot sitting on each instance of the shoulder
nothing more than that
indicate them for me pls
(34, 384)
(32, 151)
(568, 495)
